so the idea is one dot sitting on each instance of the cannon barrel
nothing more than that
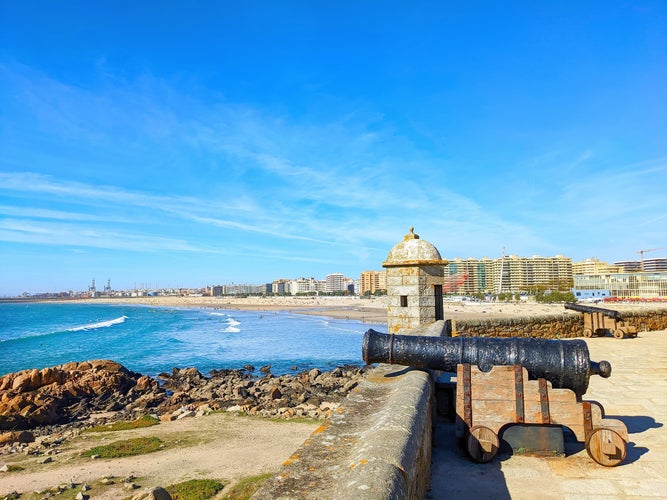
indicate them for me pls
(610, 313)
(564, 363)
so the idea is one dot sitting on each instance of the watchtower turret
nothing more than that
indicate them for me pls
(415, 274)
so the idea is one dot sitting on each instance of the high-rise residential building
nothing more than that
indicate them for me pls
(510, 273)
(467, 276)
(372, 281)
(594, 266)
(334, 282)
(521, 274)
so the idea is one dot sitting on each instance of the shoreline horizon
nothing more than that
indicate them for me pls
(351, 308)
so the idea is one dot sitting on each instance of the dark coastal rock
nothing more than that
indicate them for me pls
(291, 395)
(16, 437)
(59, 394)
(157, 493)
(70, 393)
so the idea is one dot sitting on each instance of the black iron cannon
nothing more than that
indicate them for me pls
(609, 313)
(564, 363)
(598, 321)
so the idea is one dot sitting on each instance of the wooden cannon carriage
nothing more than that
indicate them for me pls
(488, 402)
(599, 321)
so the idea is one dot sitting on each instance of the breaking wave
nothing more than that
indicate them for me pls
(101, 324)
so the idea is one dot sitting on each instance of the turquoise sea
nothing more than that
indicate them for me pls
(150, 340)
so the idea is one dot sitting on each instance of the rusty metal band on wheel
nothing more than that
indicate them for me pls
(467, 395)
(588, 419)
(518, 393)
(544, 400)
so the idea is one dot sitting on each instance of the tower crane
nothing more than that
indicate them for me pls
(642, 252)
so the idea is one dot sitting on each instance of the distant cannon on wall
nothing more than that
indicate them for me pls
(599, 321)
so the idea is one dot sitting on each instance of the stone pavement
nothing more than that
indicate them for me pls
(636, 394)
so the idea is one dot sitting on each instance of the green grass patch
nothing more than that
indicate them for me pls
(126, 448)
(246, 487)
(195, 489)
(145, 421)
(14, 468)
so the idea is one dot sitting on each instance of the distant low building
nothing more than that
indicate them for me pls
(624, 285)
(591, 294)
(301, 286)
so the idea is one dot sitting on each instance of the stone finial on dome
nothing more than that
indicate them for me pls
(412, 251)
(411, 235)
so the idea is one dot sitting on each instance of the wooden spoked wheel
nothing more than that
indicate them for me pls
(606, 447)
(619, 333)
(482, 444)
(588, 333)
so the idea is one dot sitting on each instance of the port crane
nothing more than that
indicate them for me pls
(642, 252)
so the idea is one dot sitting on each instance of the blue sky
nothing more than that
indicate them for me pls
(185, 144)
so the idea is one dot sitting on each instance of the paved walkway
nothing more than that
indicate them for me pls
(636, 393)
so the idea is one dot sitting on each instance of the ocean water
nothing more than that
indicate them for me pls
(150, 340)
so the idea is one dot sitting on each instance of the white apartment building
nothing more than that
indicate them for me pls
(335, 282)
(306, 285)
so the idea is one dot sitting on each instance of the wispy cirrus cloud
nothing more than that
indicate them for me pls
(232, 172)
(61, 234)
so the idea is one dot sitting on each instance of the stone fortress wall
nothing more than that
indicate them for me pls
(554, 326)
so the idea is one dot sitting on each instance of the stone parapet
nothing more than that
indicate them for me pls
(556, 326)
(376, 445)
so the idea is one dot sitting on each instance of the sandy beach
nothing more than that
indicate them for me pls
(367, 310)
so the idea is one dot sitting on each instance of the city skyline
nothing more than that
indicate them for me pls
(230, 142)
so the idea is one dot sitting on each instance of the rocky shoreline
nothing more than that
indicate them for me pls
(68, 398)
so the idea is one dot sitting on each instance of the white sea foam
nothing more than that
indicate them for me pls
(231, 329)
(232, 322)
(101, 324)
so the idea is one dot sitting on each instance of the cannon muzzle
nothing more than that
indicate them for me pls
(564, 363)
(609, 313)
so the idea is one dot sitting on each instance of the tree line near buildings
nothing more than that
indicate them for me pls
(541, 296)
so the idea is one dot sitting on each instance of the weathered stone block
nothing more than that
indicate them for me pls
(394, 281)
(427, 314)
(410, 281)
(427, 301)
(404, 290)
(433, 270)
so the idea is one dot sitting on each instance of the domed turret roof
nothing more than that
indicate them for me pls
(413, 251)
